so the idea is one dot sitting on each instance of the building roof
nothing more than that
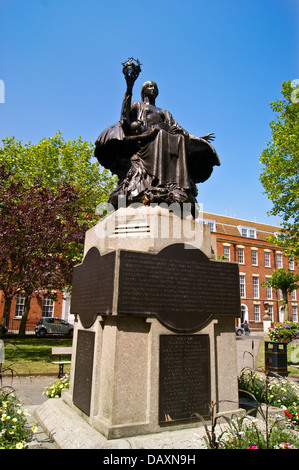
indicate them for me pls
(232, 226)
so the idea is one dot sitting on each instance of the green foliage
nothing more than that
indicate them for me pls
(248, 434)
(284, 332)
(286, 281)
(280, 167)
(283, 279)
(14, 429)
(41, 237)
(52, 160)
(251, 382)
(276, 391)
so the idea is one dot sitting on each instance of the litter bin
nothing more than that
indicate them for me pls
(276, 356)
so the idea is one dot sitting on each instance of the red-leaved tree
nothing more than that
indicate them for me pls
(41, 239)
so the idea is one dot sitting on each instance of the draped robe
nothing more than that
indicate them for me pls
(163, 155)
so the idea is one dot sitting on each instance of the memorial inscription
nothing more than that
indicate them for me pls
(93, 286)
(183, 293)
(184, 388)
(83, 370)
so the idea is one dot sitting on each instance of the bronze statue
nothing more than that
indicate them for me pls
(155, 159)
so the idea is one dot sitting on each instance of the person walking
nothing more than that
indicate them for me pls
(245, 326)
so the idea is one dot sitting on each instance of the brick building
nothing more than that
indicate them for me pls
(245, 242)
(42, 306)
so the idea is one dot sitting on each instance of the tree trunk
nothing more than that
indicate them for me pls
(6, 311)
(286, 306)
(22, 329)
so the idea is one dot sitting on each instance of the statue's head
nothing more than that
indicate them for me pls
(147, 88)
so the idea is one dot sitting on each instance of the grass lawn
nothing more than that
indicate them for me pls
(293, 371)
(33, 355)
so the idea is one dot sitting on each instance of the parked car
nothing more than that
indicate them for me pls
(52, 325)
(239, 331)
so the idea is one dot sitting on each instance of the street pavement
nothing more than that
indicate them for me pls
(29, 389)
(248, 349)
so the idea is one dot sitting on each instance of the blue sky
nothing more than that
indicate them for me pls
(218, 65)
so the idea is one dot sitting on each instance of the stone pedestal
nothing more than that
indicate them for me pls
(154, 338)
(149, 229)
(124, 385)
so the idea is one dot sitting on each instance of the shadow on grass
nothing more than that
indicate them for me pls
(32, 350)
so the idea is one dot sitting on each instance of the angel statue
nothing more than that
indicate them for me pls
(155, 159)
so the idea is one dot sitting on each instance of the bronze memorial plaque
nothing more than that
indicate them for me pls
(83, 370)
(184, 384)
(181, 287)
(92, 287)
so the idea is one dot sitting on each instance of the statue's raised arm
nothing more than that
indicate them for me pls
(131, 71)
(155, 159)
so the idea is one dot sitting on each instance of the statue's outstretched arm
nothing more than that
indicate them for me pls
(209, 137)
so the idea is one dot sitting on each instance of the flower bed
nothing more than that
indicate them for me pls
(277, 392)
(14, 429)
(284, 332)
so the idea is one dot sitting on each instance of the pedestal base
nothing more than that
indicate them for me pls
(124, 389)
(70, 431)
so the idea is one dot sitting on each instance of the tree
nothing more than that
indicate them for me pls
(41, 239)
(286, 281)
(53, 159)
(280, 167)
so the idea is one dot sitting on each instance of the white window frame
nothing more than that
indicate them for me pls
(241, 255)
(256, 286)
(257, 313)
(267, 259)
(242, 286)
(47, 306)
(20, 304)
(254, 257)
(211, 223)
(270, 307)
(295, 313)
(279, 260)
(294, 295)
(291, 263)
(226, 252)
(269, 290)
(247, 232)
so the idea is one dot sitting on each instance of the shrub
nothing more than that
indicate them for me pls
(54, 389)
(275, 391)
(14, 429)
(246, 433)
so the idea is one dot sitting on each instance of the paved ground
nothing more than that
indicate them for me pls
(247, 349)
(30, 389)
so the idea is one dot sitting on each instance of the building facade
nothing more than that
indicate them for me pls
(42, 306)
(245, 243)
